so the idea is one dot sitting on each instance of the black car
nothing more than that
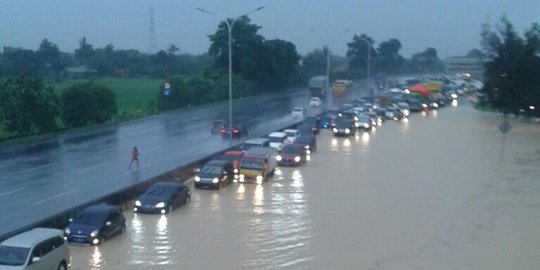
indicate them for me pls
(309, 142)
(349, 114)
(215, 174)
(344, 126)
(216, 125)
(327, 118)
(162, 197)
(94, 224)
(237, 131)
(314, 123)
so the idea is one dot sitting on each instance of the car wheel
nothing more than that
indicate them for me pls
(62, 266)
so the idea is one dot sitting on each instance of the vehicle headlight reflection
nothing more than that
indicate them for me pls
(160, 205)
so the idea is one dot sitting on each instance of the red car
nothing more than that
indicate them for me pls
(234, 157)
(292, 155)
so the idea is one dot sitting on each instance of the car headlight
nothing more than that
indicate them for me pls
(308, 152)
(197, 179)
(366, 125)
(160, 205)
(406, 112)
(347, 131)
(94, 233)
(235, 171)
(297, 159)
(435, 105)
(454, 96)
(259, 179)
(356, 124)
(67, 231)
(424, 105)
(306, 146)
(278, 157)
(138, 203)
(215, 180)
(335, 130)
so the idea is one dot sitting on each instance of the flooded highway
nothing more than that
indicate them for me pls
(435, 192)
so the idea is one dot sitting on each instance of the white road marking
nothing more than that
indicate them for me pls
(40, 167)
(10, 192)
(91, 168)
(55, 196)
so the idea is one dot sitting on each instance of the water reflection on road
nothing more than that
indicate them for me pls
(429, 193)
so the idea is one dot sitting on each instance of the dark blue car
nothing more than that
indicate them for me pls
(94, 224)
(162, 197)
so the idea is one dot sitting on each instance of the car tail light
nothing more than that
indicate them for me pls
(222, 130)
(235, 131)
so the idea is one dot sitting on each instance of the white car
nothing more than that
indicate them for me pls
(315, 102)
(277, 139)
(39, 248)
(292, 134)
(297, 112)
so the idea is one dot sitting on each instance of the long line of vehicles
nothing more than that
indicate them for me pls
(255, 161)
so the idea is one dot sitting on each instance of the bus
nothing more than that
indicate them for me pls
(317, 86)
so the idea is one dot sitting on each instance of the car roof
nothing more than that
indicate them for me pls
(30, 238)
(165, 184)
(277, 134)
(257, 140)
(291, 130)
(216, 162)
(298, 108)
(100, 208)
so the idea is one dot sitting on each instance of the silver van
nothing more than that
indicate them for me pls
(39, 248)
(257, 142)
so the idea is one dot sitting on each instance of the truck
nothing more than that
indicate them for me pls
(317, 86)
(341, 88)
(258, 164)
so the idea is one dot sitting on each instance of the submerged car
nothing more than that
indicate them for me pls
(162, 197)
(297, 112)
(344, 127)
(315, 102)
(216, 125)
(36, 249)
(215, 174)
(292, 155)
(95, 224)
(309, 142)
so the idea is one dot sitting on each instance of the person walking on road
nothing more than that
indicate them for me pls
(134, 156)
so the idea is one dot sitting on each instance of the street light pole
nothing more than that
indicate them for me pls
(368, 62)
(230, 26)
(327, 63)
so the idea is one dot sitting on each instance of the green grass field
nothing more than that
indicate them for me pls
(135, 97)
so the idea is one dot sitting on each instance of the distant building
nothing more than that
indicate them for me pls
(79, 72)
(473, 66)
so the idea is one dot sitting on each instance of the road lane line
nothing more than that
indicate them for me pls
(91, 168)
(39, 167)
(11, 192)
(55, 196)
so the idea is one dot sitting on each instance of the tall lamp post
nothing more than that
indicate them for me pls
(368, 62)
(230, 26)
(327, 63)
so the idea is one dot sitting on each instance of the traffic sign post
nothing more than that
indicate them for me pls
(166, 89)
(504, 127)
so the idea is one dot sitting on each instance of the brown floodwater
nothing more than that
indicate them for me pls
(435, 192)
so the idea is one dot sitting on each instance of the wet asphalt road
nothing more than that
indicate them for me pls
(433, 192)
(38, 180)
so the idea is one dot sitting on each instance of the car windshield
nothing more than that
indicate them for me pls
(303, 140)
(90, 219)
(276, 139)
(291, 133)
(13, 255)
(364, 118)
(230, 157)
(298, 109)
(342, 122)
(157, 191)
(211, 169)
(251, 163)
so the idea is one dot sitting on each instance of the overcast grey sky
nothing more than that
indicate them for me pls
(451, 27)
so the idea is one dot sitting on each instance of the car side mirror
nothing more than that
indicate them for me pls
(108, 223)
(36, 259)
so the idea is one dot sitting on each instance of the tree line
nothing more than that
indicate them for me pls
(260, 65)
(512, 76)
